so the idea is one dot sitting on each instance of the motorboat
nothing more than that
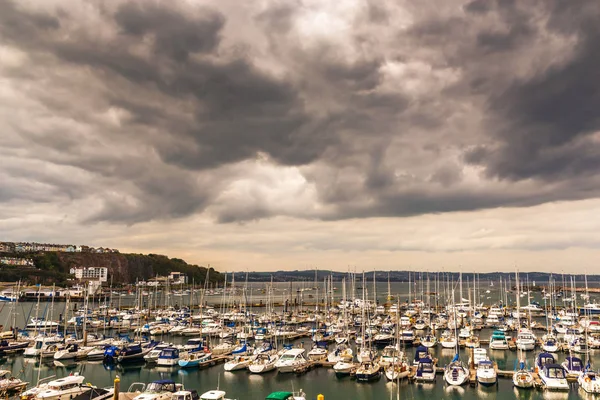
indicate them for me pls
(479, 355)
(96, 394)
(159, 390)
(152, 356)
(185, 395)
(543, 359)
(573, 367)
(63, 388)
(193, 359)
(472, 342)
(290, 360)
(214, 395)
(554, 377)
(41, 343)
(486, 374)
(498, 341)
(168, 357)
(407, 337)
(426, 370)
(525, 340)
(7, 347)
(287, 396)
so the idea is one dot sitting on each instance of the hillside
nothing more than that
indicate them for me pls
(401, 276)
(53, 267)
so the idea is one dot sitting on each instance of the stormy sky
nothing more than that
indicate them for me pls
(268, 134)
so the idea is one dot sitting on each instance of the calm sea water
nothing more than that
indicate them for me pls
(242, 385)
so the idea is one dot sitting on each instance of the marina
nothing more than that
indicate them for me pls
(330, 338)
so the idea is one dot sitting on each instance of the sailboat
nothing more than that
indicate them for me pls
(369, 369)
(455, 373)
(522, 378)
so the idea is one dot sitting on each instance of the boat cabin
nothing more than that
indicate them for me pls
(185, 395)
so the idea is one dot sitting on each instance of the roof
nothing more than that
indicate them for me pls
(279, 396)
(213, 395)
(164, 381)
(545, 355)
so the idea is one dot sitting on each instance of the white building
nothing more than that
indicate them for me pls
(177, 278)
(93, 273)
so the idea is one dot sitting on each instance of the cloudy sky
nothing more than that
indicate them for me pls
(267, 134)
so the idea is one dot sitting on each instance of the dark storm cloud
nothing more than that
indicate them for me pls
(550, 118)
(159, 103)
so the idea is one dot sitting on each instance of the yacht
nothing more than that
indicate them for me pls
(492, 321)
(290, 360)
(486, 373)
(479, 355)
(159, 390)
(64, 388)
(553, 375)
(425, 370)
(407, 337)
(168, 357)
(41, 344)
(214, 395)
(498, 341)
(152, 356)
(525, 340)
(573, 367)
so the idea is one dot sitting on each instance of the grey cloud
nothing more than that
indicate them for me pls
(374, 124)
(550, 117)
(175, 34)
